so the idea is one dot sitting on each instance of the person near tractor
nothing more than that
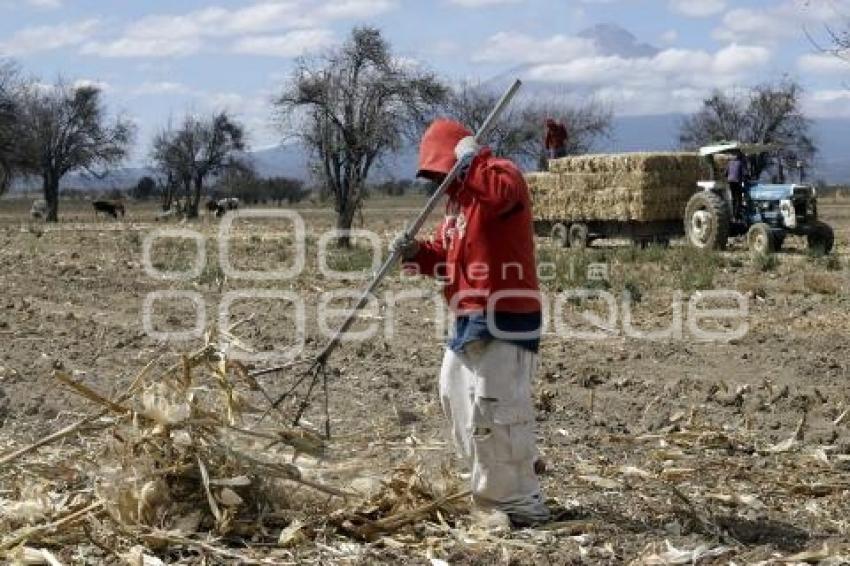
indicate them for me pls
(556, 139)
(483, 254)
(736, 176)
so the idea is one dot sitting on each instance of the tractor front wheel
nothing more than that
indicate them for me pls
(760, 239)
(821, 239)
(707, 219)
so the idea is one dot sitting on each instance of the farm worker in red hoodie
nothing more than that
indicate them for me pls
(483, 252)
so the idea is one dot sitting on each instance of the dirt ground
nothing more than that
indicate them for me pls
(668, 450)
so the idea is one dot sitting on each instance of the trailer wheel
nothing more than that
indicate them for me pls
(760, 239)
(821, 239)
(578, 236)
(560, 235)
(707, 221)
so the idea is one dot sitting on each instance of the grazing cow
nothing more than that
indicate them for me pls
(39, 209)
(221, 206)
(231, 203)
(110, 208)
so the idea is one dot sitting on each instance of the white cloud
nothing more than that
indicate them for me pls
(354, 9)
(697, 8)
(760, 26)
(670, 36)
(671, 67)
(480, 3)
(161, 88)
(292, 44)
(256, 28)
(828, 103)
(669, 80)
(823, 64)
(47, 38)
(143, 47)
(782, 20)
(47, 4)
(216, 21)
(674, 80)
(740, 59)
(512, 47)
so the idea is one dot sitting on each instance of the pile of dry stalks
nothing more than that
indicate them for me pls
(178, 466)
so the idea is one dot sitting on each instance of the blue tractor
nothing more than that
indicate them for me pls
(764, 213)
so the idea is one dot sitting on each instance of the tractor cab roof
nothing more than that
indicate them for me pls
(733, 147)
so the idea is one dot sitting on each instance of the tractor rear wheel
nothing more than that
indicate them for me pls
(560, 235)
(579, 236)
(707, 221)
(760, 239)
(821, 239)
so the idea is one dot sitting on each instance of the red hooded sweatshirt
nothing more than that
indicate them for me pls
(484, 249)
(556, 135)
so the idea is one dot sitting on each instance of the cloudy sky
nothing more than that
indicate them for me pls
(157, 59)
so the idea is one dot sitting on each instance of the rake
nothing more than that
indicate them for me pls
(317, 370)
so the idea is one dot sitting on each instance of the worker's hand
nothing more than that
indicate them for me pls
(466, 149)
(405, 246)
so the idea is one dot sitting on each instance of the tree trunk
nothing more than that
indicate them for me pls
(195, 201)
(51, 196)
(168, 196)
(187, 196)
(344, 220)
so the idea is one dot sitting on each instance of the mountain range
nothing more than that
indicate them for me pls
(629, 133)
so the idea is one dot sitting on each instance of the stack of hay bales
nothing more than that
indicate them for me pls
(638, 187)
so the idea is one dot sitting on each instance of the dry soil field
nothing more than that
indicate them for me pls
(658, 450)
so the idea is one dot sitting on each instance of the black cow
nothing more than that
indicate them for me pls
(110, 208)
(221, 206)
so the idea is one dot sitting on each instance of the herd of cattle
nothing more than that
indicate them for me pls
(115, 209)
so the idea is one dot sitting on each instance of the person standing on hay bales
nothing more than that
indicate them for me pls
(483, 253)
(556, 139)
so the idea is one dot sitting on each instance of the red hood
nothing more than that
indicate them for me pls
(437, 149)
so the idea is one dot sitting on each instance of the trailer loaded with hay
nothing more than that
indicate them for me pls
(638, 196)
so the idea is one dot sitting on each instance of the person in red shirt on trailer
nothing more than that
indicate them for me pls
(484, 254)
(556, 139)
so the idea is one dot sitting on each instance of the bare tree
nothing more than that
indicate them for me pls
(835, 38)
(10, 158)
(520, 132)
(65, 129)
(197, 150)
(352, 106)
(770, 113)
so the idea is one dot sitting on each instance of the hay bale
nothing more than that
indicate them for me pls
(639, 187)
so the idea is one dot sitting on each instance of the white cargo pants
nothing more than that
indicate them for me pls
(486, 396)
